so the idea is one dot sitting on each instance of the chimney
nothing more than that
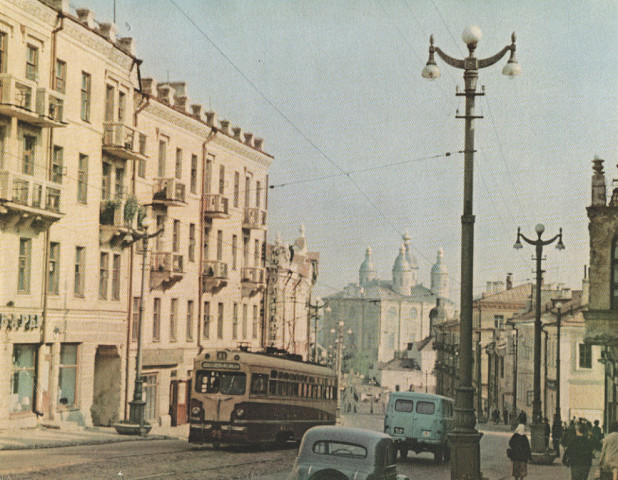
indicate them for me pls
(127, 45)
(164, 94)
(109, 31)
(237, 133)
(258, 142)
(180, 88)
(149, 86)
(509, 281)
(86, 17)
(585, 287)
(249, 139)
(198, 110)
(225, 126)
(60, 5)
(598, 183)
(211, 118)
(181, 103)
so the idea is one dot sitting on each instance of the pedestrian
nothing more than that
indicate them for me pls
(505, 416)
(556, 434)
(608, 462)
(519, 452)
(523, 418)
(578, 454)
(547, 431)
(597, 436)
(495, 415)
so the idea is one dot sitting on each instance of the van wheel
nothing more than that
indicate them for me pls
(403, 452)
(447, 454)
(438, 455)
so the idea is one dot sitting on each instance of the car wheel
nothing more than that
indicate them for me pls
(328, 475)
(403, 452)
(438, 455)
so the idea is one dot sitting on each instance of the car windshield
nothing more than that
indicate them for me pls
(228, 383)
(339, 449)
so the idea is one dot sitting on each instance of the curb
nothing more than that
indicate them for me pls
(77, 443)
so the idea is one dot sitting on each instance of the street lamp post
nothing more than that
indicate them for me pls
(315, 308)
(558, 306)
(138, 404)
(515, 334)
(537, 428)
(465, 438)
(339, 339)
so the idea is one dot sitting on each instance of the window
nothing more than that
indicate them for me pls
(135, 319)
(57, 164)
(245, 251)
(258, 194)
(23, 378)
(150, 395)
(220, 321)
(156, 320)
(119, 183)
(116, 277)
(103, 275)
(106, 181)
(32, 62)
(176, 237)
(122, 106)
(219, 245)
(110, 93)
(222, 179)
(189, 331)
(235, 321)
(498, 321)
(236, 188)
(227, 383)
(80, 259)
(173, 319)
(53, 270)
(402, 405)
(208, 176)
(158, 240)
(85, 97)
(585, 355)
(29, 144)
(255, 322)
(141, 168)
(234, 252)
(256, 253)
(82, 179)
(614, 278)
(339, 449)
(192, 242)
(193, 173)
(24, 262)
(162, 158)
(247, 190)
(206, 321)
(3, 47)
(245, 314)
(60, 82)
(67, 375)
(178, 167)
(2, 133)
(259, 383)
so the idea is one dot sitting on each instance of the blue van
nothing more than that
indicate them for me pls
(420, 422)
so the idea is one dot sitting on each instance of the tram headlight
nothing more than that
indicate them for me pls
(195, 411)
(240, 413)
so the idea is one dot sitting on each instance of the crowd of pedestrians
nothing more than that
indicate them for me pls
(580, 440)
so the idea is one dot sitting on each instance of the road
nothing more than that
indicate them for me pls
(176, 459)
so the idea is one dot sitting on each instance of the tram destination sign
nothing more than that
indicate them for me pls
(227, 365)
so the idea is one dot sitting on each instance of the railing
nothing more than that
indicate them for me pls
(17, 92)
(214, 269)
(169, 190)
(111, 212)
(50, 105)
(124, 138)
(167, 262)
(21, 98)
(254, 218)
(215, 204)
(252, 275)
(30, 191)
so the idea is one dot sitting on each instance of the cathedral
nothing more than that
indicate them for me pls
(385, 319)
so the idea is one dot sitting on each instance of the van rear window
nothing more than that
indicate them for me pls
(426, 408)
(404, 405)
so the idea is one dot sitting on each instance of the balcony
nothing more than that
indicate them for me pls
(29, 201)
(123, 141)
(214, 275)
(20, 98)
(215, 206)
(166, 269)
(168, 192)
(253, 280)
(112, 226)
(254, 219)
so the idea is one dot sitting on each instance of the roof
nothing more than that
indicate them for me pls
(517, 295)
(381, 290)
(573, 304)
(401, 364)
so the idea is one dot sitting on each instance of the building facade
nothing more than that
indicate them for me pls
(88, 153)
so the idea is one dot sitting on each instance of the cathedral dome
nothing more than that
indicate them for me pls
(409, 255)
(367, 272)
(401, 263)
(439, 266)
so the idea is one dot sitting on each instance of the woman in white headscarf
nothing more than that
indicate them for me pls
(519, 452)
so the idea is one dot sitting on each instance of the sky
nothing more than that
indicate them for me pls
(360, 139)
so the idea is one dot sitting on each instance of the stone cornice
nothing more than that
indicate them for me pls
(235, 146)
(39, 10)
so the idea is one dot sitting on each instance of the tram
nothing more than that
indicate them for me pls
(240, 397)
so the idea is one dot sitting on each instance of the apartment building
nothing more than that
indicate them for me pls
(87, 154)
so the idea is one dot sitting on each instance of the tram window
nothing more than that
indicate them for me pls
(229, 383)
(273, 387)
(259, 383)
(281, 388)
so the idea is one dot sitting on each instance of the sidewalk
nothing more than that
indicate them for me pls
(68, 434)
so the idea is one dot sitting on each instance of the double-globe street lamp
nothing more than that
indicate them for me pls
(465, 439)
(339, 346)
(314, 313)
(537, 428)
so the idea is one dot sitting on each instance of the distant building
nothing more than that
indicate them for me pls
(385, 316)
